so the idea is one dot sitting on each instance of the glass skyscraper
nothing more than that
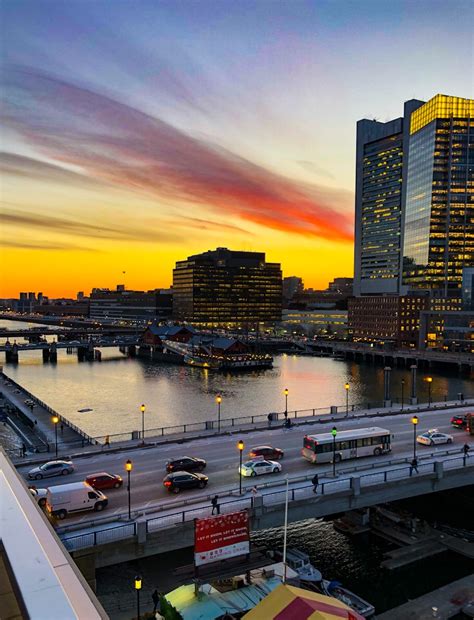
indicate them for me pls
(438, 230)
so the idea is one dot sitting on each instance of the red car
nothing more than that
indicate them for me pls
(266, 452)
(459, 421)
(103, 480)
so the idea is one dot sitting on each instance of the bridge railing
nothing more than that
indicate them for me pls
(100, 537)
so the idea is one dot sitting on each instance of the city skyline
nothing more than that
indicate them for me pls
(136, 138)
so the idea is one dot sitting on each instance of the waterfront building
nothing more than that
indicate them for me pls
(316, 322)
(156, 334)
(128, 305)
(341, 285)
(227, 288)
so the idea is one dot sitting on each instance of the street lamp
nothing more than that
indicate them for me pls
(241, 447)
(142, 409)
(55, 421)
(414, 421)
(347, 386)
(218, 401)
(128, 469)
(429, 381)
(138, 587)
(334, 434)
(285, 392)
(403, 393)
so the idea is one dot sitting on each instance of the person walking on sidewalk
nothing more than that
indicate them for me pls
(155, 597)
(215, 505)
(315, 483)
(270, 418)
(107, 441)
(465, 452)
(23, 450)
(414, 466)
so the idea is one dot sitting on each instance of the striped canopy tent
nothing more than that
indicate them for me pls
(288, 603)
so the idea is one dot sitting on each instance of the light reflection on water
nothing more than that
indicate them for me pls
(116, 387)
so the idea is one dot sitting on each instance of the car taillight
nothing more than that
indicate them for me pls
(167, 483)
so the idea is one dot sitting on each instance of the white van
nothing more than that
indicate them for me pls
(64, 499)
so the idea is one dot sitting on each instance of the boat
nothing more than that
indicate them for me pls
(312, 579)
(335, 589)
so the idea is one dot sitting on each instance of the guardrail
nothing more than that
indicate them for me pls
(295, 493)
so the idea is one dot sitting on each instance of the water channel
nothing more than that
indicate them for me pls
(115, 388)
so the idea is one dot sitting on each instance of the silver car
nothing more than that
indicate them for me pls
(51, 468)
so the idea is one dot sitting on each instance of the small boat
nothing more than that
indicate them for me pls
(299, 562)
(335, 589)
(84, 410)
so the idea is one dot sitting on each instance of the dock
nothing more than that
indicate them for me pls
(443, 603)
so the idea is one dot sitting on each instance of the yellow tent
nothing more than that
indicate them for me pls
(290, 603)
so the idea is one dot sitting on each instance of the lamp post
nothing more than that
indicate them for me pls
(347, 386)
(218, 401)
(429, 380)
(285, 530)
(142, 409)
(414, 421)
(403, 393)
(285, 392)
(55, 421)
(334, 434)
(128, 469)
(138, 587)
(241, 447)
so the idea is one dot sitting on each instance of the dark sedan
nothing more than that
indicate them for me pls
(459, 421)
(266, 452)
(181, 480)
(185, 463)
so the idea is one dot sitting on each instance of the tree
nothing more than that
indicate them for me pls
(168, 611)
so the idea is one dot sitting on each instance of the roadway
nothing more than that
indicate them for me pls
(222, 459)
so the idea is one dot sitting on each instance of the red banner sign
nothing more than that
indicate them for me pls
(223, 536)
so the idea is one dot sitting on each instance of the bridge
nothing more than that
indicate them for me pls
(84, 331)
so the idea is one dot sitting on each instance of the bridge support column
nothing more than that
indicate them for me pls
(413, 397)
(141, 532)
(86, 564)
(387, 398)
(355, 486)
(439, 470)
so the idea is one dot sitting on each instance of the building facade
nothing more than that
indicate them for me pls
(227, 288)
(439, 210)
(127, 305)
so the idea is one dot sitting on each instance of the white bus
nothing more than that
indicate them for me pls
(349, 445)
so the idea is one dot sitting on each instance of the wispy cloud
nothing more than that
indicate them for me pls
(17, 244)
(118, 144)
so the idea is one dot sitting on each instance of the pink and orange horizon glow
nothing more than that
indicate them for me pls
(138, 133)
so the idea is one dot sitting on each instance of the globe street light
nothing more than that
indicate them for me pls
(138, 587)
(429, 380)
(414, 421)
(347, 386)
(55, 421)
(285, 392)
(334, 434)
(241, 447)
(218, 401)
(128, 469)
(142, 409)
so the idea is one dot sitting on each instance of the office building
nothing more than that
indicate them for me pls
(381, 162)
(316, 322)
(227, 288)
(125, 305)
(292, 285)
(439, 211)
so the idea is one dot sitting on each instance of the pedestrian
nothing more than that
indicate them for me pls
(215, 505)
(315, 482)
(270, 418)
(155, 597)
(36, 422)
(23, 450)
(465, 449)
(62, 428)
(107, 441)
(414, 466)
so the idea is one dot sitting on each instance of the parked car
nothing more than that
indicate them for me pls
(459, 421)
(185, 463)
(103, 480)
(179, 480)
(39, 495)
(434, 437)
(51, 468)
(64, 499)
(267, 452)
(257, 468)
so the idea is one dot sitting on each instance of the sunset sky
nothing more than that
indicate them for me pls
(138, 132)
